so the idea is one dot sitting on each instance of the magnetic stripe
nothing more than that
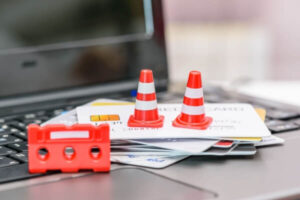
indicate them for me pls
(69, 134)
(146, 88)
(192, 110)
(193, 93)
(145, 105)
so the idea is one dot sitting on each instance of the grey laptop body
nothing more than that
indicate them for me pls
(55, 55)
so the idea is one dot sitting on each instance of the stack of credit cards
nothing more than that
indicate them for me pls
(162, 152)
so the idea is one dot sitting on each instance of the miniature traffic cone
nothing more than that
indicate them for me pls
(192, 112)
(146, 112)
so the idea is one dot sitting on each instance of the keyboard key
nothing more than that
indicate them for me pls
(32, 121)
(280, 114)
(58, 111)
(288, 126)
(4, 131)
(28, 121)
(20, 134)
(69, 108)
(4, 161)
(5, 127)
(18, 125)
(22, 157)
(20, 146)
(8, 139)
(40, 113)
(13, 130)
(8, 131)
(44, 118)
(5, 151)
(29, 116)
(37, 121)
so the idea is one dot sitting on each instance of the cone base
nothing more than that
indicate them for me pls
(202, 125)
(151, 124)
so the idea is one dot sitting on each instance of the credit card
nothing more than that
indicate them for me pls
(271, 140)
(189, 146)
(156, 162)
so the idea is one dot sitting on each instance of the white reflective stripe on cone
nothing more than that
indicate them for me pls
(192, 110)
(145, 105)
(193, 93)
(146, 88)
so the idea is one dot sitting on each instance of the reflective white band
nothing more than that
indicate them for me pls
(145, 105)
(193, 93)
(69, 134)
(192, 110)
(146, 88)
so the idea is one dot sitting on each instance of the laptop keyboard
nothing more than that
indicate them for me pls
(13, 135)
(13, 142)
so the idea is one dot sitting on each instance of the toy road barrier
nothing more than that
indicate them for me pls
(68, 148)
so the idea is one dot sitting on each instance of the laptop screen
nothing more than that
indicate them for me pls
(48, 23)
(52, 45)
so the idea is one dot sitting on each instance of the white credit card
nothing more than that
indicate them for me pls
(145, 150)
(140, 149)
(236, 150)
(113, 146)
(147, 161)
(70, 117)
(270, 140)
(189, 146)
(146, 153)
(229, 120)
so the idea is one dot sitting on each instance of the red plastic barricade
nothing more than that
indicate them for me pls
(68, 148)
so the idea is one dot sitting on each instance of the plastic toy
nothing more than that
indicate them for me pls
(68, 148)
(192, 112)
(146, 112)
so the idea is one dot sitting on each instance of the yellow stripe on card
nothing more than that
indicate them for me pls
(246, 138)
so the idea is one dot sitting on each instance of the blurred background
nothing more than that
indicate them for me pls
(233, 39)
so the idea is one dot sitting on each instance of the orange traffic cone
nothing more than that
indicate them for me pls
(146, 113)
(192, 112)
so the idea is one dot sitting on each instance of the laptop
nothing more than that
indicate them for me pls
(56, 55)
